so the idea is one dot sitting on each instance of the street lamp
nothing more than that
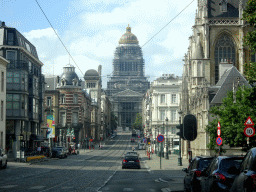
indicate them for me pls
(155, 140)
(166, 140)
(180, 159)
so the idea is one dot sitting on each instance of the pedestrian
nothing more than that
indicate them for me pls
(70, 150)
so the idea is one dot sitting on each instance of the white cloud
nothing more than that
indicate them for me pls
(40, 33)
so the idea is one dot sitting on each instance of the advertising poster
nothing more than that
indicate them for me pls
(50, 126)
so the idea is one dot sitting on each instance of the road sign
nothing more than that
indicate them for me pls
(219, 141)
(160, 138)
(144, 140)
(248, 121)
(218, 125)
(218, 132)
(249, 131)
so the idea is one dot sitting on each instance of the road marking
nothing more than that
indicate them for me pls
(148, 169)
(128, 189)
(166, 190)
(8, 186)
(37, 187)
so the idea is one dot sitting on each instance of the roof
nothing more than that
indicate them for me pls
(91, 74)
(128, 37)
(128, 93)
(225, 84)
(214, 9)
(50, 83)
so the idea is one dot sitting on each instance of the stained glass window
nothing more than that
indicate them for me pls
(224, 51)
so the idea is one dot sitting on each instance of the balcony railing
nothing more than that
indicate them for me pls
(17, 64)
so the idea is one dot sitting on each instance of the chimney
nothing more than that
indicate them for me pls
(224, 66)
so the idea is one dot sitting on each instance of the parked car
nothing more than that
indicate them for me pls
(246, 175)
(131, 161)
(3, 159)
(58, 153)
(193, 172)
(65, 150)
(218, 176)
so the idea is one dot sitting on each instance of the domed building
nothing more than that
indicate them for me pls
(128, 82)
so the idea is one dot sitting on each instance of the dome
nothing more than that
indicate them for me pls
(128, 37)
(69, 74)
(91, 74)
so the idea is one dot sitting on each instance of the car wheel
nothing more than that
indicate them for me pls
(5, 165)
(1, 165)
(139, 167)
(122, 167)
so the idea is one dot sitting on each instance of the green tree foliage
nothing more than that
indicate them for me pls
(113, 121)
(249, 15)
(232, 115)
(138, 122)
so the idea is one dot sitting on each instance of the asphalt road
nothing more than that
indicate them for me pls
(98, 170)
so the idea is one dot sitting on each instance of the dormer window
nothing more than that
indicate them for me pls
(223, 6)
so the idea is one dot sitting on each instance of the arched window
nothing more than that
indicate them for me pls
(224, 49)
(199, 69)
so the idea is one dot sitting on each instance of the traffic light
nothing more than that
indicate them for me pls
(148, 141)
(180, 133)
(190, 127)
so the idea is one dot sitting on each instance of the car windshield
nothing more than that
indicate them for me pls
(131, 158)
(203, 163)
(225, 164)
(131, 153)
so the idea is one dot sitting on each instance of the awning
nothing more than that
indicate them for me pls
(34, 137)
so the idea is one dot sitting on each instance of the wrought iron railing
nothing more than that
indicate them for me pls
(17, 64)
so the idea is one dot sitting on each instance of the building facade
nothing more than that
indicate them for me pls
(93, 87)
(160, 112)
(128, 82)
(3, 65)
(24, 90)
(106, 108)
(217, 42)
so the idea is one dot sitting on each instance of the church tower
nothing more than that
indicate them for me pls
(128, 82)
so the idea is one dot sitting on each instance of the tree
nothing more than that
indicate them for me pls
(113, 121)
(232, 114)
(138, 122)
(249, 15)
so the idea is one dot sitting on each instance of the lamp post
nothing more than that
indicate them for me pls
(180, 159)
(162, 148)
(166, 139)
(155, 140)
(158, 151)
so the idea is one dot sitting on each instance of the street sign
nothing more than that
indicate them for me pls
(218, 125)
(144, 140)
(218, 132)
(249, 131)
(219, 141)
(160, 138)
(248, 121)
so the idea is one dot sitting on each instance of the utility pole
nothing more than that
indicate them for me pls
(166, 140)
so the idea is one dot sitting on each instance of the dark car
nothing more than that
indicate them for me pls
(218, 176)
(246, 179)
(193, 172)
(131, 161)
(58, 153)
(66, 152)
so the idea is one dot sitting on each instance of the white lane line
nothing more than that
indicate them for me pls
(37, 187)
(8, 186)
(128, 189)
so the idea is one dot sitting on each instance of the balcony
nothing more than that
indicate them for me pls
(17, 64)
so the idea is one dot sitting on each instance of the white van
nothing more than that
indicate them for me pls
(141, 146)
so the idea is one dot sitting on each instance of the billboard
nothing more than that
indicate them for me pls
(50, 126)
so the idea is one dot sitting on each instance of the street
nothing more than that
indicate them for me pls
(91, 170)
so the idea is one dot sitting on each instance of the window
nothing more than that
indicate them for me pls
(162, 115)
(10, 39)
(75, 98)
(2, 140)
(224, 51)
(174, 98)
(12, 101)
(2, 110)
(162, 98)
(63, 119)
(174, 130)
(49, 101)
(11, 56)
(173, 115)
(34, 105)
(2, 82)
(74, 117)
(91, 85)
(199, 69)
(62, 98)
(27, 46)
(22, 102)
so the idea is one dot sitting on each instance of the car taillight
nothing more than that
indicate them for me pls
(125, 161)
(220, 177)
(137, 161)
(253, 176)
(198, 173)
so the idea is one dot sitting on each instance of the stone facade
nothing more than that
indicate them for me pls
(128, 82)
(217, 40)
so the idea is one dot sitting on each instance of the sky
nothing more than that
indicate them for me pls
(91, 29)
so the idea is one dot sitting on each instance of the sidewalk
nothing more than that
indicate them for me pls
(169, 173)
